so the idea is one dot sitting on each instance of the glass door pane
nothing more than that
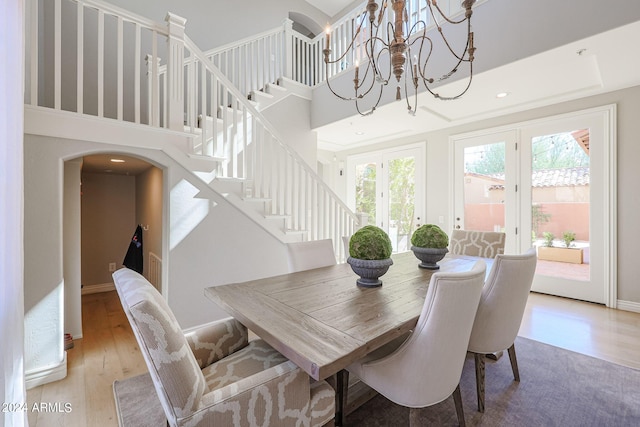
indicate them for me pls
(389, 187)
(484, 187)
(401, 190)
(560, 204)
(365, 189)
(567, 179)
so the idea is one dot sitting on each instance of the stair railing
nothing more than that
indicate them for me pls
(191, 92)
(254, 152)
(99, 69)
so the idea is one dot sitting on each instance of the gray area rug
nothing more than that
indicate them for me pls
(557, 388)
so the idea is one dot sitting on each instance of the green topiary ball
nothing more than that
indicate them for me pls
(370, 242)
(430, 236)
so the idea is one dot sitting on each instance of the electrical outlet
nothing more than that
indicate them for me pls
(112, 267)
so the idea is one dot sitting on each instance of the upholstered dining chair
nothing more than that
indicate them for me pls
(500, 312)
(310, 254)
(425, 368)
(214, 376)
(485, 244)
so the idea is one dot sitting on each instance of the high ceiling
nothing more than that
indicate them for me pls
(330, 7)
(589, 66)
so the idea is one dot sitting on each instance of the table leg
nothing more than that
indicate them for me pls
(342, 388)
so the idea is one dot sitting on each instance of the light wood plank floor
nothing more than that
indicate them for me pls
(109, 351)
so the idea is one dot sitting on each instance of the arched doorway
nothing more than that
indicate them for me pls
(117, 193)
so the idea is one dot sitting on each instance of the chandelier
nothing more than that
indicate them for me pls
(385, 55)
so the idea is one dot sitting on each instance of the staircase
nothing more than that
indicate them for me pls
(233, 149)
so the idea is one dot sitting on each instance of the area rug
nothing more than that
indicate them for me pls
(557, 388)
(137, 403)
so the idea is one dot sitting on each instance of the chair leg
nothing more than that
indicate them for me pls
(479, 359)
(342, 388)
(514, 362)
(457, 399)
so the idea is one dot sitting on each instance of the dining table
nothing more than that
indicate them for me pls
(322, 321)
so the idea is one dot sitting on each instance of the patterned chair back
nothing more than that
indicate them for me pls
(486, 244)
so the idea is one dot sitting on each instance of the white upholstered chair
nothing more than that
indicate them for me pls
(310, 254)
(345, 244)
(485, 244)
(425, 368)
(500, 311)
(214, 376)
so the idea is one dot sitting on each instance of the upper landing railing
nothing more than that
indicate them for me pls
(252, 63)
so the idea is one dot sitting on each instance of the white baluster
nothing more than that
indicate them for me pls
(136, 75)
(120, 70)
(80, 59)
(57, 51)
(100, 63)
(175, 70)
(288, 46)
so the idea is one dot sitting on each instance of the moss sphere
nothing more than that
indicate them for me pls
(430, 236)
(370, 242)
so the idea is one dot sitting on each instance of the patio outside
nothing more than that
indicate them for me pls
(559, 199)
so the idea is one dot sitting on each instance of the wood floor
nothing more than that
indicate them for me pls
(109, 351)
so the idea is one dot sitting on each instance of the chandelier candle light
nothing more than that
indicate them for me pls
(402, 43)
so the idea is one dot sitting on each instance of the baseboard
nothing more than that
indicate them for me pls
(628, 306)
(46, 375)
(94, 289)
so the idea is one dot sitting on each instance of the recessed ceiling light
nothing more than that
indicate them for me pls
(502, 94)
(117, 160)
(359, 133)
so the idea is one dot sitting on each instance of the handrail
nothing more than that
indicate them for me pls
(125, 14)
(238, 43)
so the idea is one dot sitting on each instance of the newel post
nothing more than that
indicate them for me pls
(175, 72)
(288, 48)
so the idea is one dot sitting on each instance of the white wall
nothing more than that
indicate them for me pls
(43, 272)
(12, 387)
(108, 222)
(290, 117)
(149, 203)
(206, 242)
(215, 23)
(72, 244)
(628, 159)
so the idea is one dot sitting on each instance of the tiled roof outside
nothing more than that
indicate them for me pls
(560, 177)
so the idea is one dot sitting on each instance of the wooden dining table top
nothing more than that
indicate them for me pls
(322, 321)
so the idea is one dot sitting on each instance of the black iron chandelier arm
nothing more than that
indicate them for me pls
(451, 98)
(398, 44)
(368, 113)
(467, 46)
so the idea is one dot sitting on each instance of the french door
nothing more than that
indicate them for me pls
(389, 187)
(485, 185)
(548, 184)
